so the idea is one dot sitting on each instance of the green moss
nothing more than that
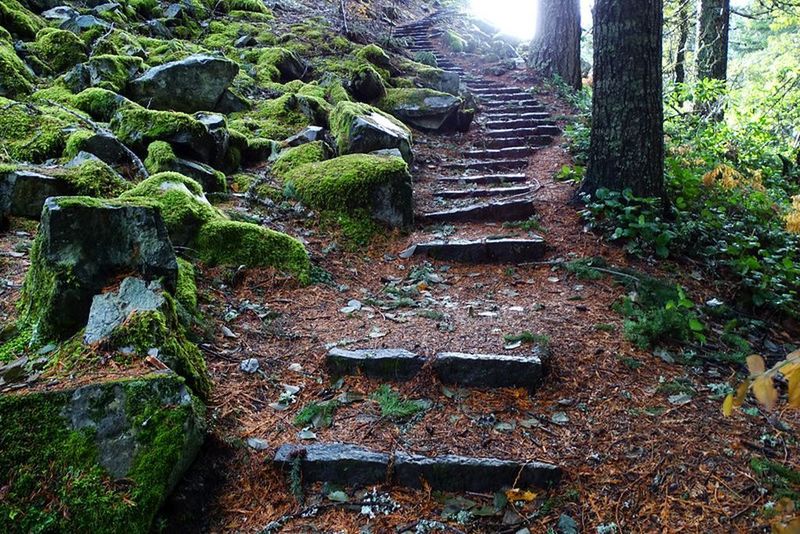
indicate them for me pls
(15, 346)
(159, 157)
(186, 289)
(281, 117)
(348, 182)
(184, 208)
(345, 113)
(264, 191)
(76, 142)
(52, 478)
(357, 227)
(253, 6)
(114, 71)
(95, 178)
(15, 78)
(20, 22)
(375, 55)
(100, 104)
(241, 182)
(272, 64)
(137, 127)
(300, 155)
(259, 149)
(238, 243)
(28, 133)
(393, 406)
(455, 42)
(145, 8)
(59, 49)
(426, 58)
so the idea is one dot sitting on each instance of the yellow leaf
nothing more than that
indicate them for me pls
(516, 495)
(727, 405)
(756, 365)
(741, 393)
(765, 392)
(794, 387)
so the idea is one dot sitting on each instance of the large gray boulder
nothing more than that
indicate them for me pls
(422, 108)
(196, 83)
(23, 192)
(359, 128)
(128, 442)
(83, 245)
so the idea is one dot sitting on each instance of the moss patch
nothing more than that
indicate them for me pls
(20, 22)
(95, 178)
(29, 133)
(137, 127)
(59, 49)
(282, 117)
(300, 155)
(15, 78)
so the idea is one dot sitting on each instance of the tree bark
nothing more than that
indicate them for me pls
(556, 48)
(627, 141)
(713, 24)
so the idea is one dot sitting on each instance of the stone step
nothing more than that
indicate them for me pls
(512, 132)
(494, 88)
(489, 165)
(484, 179)
(501, 211)
(501, 153)
(513, 105)
(518, 123)
(541, 115)
(531, 140)
(353, 465)
(483, 192)
(481, 251)
(491, 370)
(503, 97)
(391, 364)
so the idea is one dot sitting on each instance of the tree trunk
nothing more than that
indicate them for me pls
(683, 38)
(556, 49)
(627, 141)
(713, 22)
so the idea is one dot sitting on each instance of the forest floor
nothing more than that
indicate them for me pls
(642, 441)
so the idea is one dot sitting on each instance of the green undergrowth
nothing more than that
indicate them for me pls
(394, 406)
(356, 226)
(317, 414)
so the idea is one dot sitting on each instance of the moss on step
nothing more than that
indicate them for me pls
(59, 49)
(20, 22)
(53, 454)
(300, 155)
(237, 243)
(15, 78)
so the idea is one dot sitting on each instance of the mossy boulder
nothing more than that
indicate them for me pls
(223, 242)
(294, 157)
(184, 207)
(360, 128)
(455, 42)
(277, 64)
(69, 265)
(425, 109)
(30, 133)
(23, 192)
(94, 458)
(59, 49)
(161, 158)
(112, 72)
(100, 104)
(252, 6)
(106, 147)
(138, 127)
(141, 318)
(196, 83)
(19, 22)
(380, 185)
(366, 84)
(374, 54)
(88, 175)
(15, 77)
(282, 117)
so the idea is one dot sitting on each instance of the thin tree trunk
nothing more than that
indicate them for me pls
(627, 140)
(713, 22)
(683, 38)
(556, 48)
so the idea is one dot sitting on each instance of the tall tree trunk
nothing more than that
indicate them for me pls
(683, 38)
(556, 48)
(627, 141)
(713, 23)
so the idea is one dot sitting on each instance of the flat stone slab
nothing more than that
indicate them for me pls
(483, 192)
(501, 153)
(511, 210)
(390, 364)
(459, 473)
(512, 132)
(490, 370)
(515, 96)
(342, 463)
(490, 165)
(511, 116)
(493, 88)
(517, 123)
(531, 141)
(484, 179)
(481, 251)
(527, 106)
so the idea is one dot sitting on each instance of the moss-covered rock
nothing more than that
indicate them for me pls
(93, 458)
(70, 265)
(379, 184)
(224, 242)
(161, 158)
(20, 22)
(30, 133)
(183, 205)
(366, 84)
(455, 42)
(422, 108)
(105, 146)
(59, 49)
(375, 55)
(252, 6)
(90, 176)
(294, 157)
(277, 65)
(100, 104)
(15, 77)
(112, 72)
(360, 128)
(282, 117)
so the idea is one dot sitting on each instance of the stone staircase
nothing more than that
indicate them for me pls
(491, 176)
(492, 179)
